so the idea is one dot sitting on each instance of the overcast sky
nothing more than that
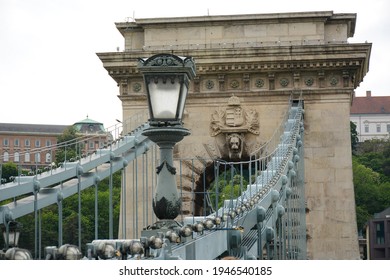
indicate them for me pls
(50, 73)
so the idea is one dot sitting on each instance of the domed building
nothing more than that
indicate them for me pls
(94, 133)
(89, 126)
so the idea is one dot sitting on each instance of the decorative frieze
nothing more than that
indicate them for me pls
(248, 82)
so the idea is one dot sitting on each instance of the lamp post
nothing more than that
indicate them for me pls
(11, 233)
(167, 78)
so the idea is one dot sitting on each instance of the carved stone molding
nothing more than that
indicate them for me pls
(196, 82)
(297, 78)
(271, 81)
(221, 80)
(123, 87)
(345, 78)
(209, 84)
(246, 79)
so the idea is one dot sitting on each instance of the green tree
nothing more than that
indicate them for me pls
(227, 189)
(372, 194)
(354, 137)
(366, 182)
(67, 146)
(375, 154)
(8, 170)
(49, 218)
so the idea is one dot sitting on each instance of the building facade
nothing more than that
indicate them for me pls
(371, 115)
(33, 146)
(94, 134)
(378, 236)
(28, 145)
(261, 59)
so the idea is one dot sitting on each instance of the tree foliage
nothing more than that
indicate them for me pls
(226, 188)
(375, 154)
(68, 148)
(371, 171)
(8, 170)
(354, 137)
(49, 218)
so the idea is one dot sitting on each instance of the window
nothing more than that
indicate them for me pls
(91, 145)
(16, 142)
(16, 157)
(6, 156)
(380, 233)
(37, 143)
(37, 157)
(378, 127)
(48, 143)
(27, 142)
(366, 128)
(27, 157)
(48, 158)
(5, 142)
(388, 127)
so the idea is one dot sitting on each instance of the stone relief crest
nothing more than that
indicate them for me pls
(232, 126)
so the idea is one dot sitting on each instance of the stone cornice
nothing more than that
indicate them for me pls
(319, 16)
(353, 58)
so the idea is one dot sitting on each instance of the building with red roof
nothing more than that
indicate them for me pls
(371, 114)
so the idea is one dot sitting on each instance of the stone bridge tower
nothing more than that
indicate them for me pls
(247, 67)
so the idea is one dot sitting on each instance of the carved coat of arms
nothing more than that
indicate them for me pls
(234, 122)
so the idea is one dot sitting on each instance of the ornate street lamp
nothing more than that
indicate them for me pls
(167, 80)
(11, 233)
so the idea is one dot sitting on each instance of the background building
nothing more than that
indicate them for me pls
(28, 144)
(371, 114)
(33, 146)
(378, 236)
(94, 134)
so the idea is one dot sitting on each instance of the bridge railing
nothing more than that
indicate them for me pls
(259, 203)
(114, 144)
(249, 206)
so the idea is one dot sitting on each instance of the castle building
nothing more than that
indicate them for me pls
(28, 145)
(33, 146)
